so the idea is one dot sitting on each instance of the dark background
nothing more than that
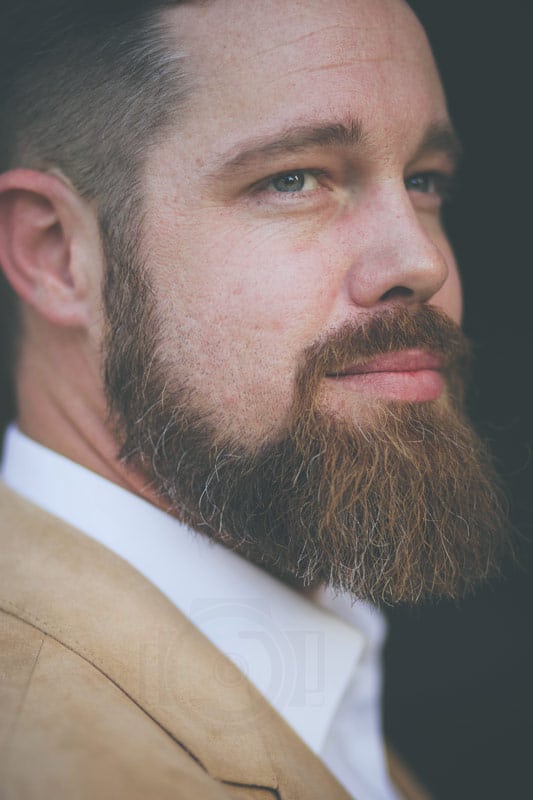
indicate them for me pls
(458, 693)
(458, 701)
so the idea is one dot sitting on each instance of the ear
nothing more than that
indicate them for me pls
(49, 246)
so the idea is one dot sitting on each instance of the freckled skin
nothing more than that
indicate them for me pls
(246, 280)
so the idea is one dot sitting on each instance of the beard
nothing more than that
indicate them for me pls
(398, 506)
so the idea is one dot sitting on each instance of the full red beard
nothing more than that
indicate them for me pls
(397, 507)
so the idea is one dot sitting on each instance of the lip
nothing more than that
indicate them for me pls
(405, 376)
(399, 361)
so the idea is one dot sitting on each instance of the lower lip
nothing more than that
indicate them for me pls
(418, 386)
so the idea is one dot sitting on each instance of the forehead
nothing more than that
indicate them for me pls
(258, 66)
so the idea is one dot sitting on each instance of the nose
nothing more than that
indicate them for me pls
(395, 252)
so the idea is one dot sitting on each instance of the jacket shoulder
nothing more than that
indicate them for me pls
(66, 730)
(118, 694)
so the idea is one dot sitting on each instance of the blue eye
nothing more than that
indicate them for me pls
(289, 182)
(430, 183)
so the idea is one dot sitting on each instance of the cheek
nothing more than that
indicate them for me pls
(248, 278)
(455, 292)
(237, 312)
(449, 298)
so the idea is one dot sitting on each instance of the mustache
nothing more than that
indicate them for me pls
(398, 328)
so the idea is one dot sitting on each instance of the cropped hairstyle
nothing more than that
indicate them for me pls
(86, 87)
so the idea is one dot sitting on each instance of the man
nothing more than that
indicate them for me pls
(237, 315)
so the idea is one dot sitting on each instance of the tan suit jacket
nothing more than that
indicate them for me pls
(108, 691)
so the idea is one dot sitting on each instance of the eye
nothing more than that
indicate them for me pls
(437, 184)
(294, 182)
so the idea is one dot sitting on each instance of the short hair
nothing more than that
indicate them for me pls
(86, 86)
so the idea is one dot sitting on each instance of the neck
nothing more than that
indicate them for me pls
(60, 408)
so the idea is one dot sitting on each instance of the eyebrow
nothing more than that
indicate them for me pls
(439, 137)
(291, 140)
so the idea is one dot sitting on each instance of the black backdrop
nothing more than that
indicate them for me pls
(458, 690)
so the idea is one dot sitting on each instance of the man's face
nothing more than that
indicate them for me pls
(254, 256)
(284, 360)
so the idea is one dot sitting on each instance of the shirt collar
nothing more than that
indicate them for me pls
(300, 655)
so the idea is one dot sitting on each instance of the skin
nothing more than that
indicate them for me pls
(246, 277)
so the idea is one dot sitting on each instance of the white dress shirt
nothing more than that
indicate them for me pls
(317, 661)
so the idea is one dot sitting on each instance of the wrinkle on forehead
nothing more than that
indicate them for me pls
(321, 68)
(373, 30)
(319, 33)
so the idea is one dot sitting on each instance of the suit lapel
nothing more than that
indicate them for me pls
(93, 602)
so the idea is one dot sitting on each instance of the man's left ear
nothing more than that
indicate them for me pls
(49, 247)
